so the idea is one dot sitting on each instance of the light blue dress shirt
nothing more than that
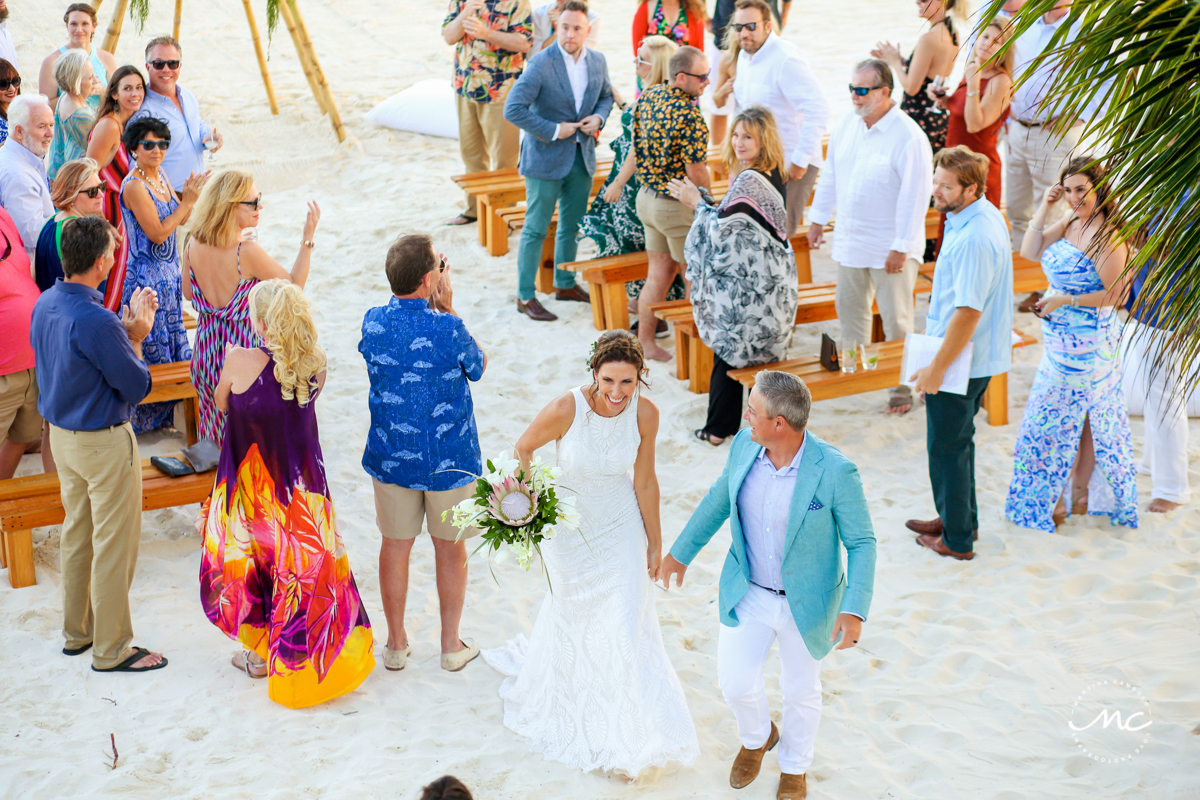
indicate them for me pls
(763, 504)
(975, 270)
(188, 132)
(25, 191)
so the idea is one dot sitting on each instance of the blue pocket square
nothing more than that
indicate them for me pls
(815, 506)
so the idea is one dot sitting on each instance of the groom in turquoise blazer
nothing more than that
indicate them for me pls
(783, 579)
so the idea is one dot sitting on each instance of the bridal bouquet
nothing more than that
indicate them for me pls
(516, 509)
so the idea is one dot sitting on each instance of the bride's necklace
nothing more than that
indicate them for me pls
(156, 184)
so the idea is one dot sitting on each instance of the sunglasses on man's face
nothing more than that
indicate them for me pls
(173, 64)
(162, 144)
(745, 26)
(254, 204)
(863, 91)
(7, 83)
(701, 78)
(95, 191)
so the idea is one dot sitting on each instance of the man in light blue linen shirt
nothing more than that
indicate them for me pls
(24, 187)
(177, 107)
(971, 303)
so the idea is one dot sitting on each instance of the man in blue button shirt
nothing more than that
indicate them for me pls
(971, 302)
(90, 376)
(177, 107)
(422, 450)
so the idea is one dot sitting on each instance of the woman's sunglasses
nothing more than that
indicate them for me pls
(7, 83)
(863, 91)
(254, 204)
(95, 191)
(162, 144)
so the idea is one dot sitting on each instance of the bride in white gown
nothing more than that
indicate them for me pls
(592, 687)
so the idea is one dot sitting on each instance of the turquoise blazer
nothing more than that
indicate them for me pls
(828, 506)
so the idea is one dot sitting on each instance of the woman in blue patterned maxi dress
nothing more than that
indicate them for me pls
(1074, 449)
(151, 215)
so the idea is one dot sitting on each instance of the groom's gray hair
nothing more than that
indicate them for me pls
(784, 395)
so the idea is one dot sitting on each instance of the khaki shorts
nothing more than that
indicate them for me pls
(20, 421)
(399, 511)
(666, 222)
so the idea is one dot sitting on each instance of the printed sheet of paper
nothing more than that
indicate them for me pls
(919, 351)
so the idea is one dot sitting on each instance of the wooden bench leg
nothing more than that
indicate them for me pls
(877, 333)
(3, 550)
(995, 400)
(804, 266)
(616, 306)
(700, 357)
(18, 546)
(481, 220)
(497, 237)
(191, 412)
(596, 290)
(682, 346)
(545, 273)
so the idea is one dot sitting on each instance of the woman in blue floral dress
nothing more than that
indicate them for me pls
(1074, 449)
(151, 215)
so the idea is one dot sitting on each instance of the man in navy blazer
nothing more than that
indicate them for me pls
(793, 504)
(561, 102)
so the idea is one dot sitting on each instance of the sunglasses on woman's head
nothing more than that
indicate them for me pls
(7, 83)
(95, 191)
(174, 64)
(863, 91)
(254, 204)
(162, 144)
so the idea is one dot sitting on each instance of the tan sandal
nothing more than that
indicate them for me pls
(242, 661)
(395, 660)
(453, 662)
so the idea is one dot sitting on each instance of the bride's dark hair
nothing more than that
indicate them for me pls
(619, 347)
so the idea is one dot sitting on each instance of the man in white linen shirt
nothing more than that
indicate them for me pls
(879, 178)
(772, 73)
(24, 187)
(1039, 145)
(8, 51)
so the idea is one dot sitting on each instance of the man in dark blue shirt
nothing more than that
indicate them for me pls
(90, 376)
(422, 450)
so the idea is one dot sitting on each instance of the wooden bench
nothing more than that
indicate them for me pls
(173, 381)
(826, 385)
(606, 279)
(34, 501)
(1028, 276)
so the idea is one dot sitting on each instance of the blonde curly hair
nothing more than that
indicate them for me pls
(285, 314)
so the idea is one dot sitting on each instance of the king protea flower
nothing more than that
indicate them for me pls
(513, 502)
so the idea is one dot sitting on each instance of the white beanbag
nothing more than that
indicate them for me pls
(427, 107)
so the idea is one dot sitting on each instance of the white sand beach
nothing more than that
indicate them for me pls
(962, 685)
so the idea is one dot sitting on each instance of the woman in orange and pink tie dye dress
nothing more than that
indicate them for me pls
(274, 575)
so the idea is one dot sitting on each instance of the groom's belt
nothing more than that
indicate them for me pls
(779, 592)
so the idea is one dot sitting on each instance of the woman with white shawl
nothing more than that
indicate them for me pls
(741, 265)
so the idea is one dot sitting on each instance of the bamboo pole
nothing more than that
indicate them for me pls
(114, 27)
(305, 64)
(95, 4)
(262, 60)
(331, 108)
(178, 18)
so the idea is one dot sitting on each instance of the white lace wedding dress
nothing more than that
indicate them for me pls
(592, 687)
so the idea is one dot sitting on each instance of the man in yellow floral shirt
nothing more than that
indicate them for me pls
(491, 38)
(670, 142)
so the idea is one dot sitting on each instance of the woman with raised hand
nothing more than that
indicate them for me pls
(1074, 451)
(274, 575)
(220, 267)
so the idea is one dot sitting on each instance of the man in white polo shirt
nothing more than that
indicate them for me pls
(772, 73)
(879, 178)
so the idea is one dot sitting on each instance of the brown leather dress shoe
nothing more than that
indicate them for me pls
(932, 527)
(748, 762)
(938, 546)
(535, 310)
(792, 787)
(576, 293)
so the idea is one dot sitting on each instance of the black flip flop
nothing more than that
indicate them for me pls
(465, 220)
(69, 652)
(127, 665)
(705, 436)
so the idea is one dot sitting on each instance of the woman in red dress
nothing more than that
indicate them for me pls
(681, 21)
(122, 99)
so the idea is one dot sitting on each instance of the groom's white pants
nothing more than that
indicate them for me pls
(763, 618)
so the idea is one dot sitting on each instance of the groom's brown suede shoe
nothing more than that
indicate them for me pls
(792, 787)
(746, 765)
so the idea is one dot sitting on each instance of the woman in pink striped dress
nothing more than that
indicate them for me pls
(123, 98)
(220, 267)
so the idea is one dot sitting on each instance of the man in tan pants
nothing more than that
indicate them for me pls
(90, 376)
(491, 38)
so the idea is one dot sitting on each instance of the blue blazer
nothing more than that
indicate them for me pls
(828, 507)
(541, 98)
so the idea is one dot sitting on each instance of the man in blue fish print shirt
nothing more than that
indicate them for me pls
(423, 447)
